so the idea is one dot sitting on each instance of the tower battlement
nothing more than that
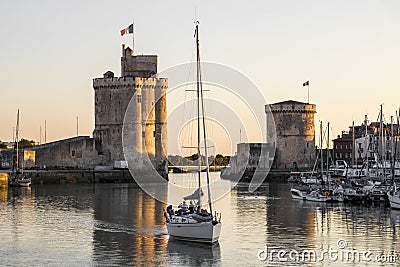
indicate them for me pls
(139, 65)
(293, 107)
(120, 82)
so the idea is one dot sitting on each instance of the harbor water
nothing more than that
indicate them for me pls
(120, 225)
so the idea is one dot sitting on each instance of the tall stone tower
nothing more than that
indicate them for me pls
(112, 96)
(295, 134)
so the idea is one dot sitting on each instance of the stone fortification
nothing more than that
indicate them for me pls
(77, 152)
(138, 83)
(147, 114)
(295, 134)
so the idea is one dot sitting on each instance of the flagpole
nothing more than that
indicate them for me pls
(133, 38)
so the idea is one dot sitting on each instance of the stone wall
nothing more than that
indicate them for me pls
(77, 152)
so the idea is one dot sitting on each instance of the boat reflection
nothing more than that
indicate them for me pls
(181, 253)
(3, 194)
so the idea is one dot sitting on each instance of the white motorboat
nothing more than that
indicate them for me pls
(394, 197)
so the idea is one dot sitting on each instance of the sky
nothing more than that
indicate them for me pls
(51, 50)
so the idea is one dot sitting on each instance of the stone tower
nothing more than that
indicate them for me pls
(112, 96)
(295, 134)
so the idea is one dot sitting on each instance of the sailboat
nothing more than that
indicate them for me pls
(192, 223)
(394, 192)
(17, 177)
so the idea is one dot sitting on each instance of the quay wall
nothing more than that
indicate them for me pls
(79, 176)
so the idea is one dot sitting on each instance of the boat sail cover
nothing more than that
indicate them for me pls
(195, 195)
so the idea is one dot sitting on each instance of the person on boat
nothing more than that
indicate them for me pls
(191, 207)
(184, 206)
(170, 210)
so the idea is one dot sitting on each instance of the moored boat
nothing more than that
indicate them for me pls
(17, 177)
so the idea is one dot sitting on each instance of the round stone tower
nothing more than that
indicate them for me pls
(295, 134)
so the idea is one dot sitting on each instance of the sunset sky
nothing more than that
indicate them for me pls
(51, 50)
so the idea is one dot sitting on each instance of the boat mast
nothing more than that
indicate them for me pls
(198, 109)
(392, 162)
(367, 143)
(382, 140)
(201, 101)
(353, 151)
(17, 139)
(327, 154)
(322, 156)
(395, 145)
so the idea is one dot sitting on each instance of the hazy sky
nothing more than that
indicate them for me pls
(51, 50)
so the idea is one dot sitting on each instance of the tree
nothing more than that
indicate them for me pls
(24, 143)
(2, 145)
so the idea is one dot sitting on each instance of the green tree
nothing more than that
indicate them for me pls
(24, 143)
(2, 145)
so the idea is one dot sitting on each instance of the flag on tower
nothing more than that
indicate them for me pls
(306, 83)
(127, 30)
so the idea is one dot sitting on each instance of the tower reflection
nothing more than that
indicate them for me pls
(129, 227)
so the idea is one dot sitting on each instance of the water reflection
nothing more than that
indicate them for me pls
(299, 225)
(129, 227)
(119, 224)
(182, 253)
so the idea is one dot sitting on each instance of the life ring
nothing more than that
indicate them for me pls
(326, 193)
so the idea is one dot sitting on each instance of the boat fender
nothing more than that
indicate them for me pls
(326, 193)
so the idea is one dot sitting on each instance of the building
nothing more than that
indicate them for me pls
(343, 147)
(295, 134)
(369, 142)
(148, 112)
(139, 82)
(8, 158)
(250, 159)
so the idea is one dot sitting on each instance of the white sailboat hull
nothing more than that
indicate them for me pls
(205, 232)
(20, 182)
(297, 194)
(25, 183)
